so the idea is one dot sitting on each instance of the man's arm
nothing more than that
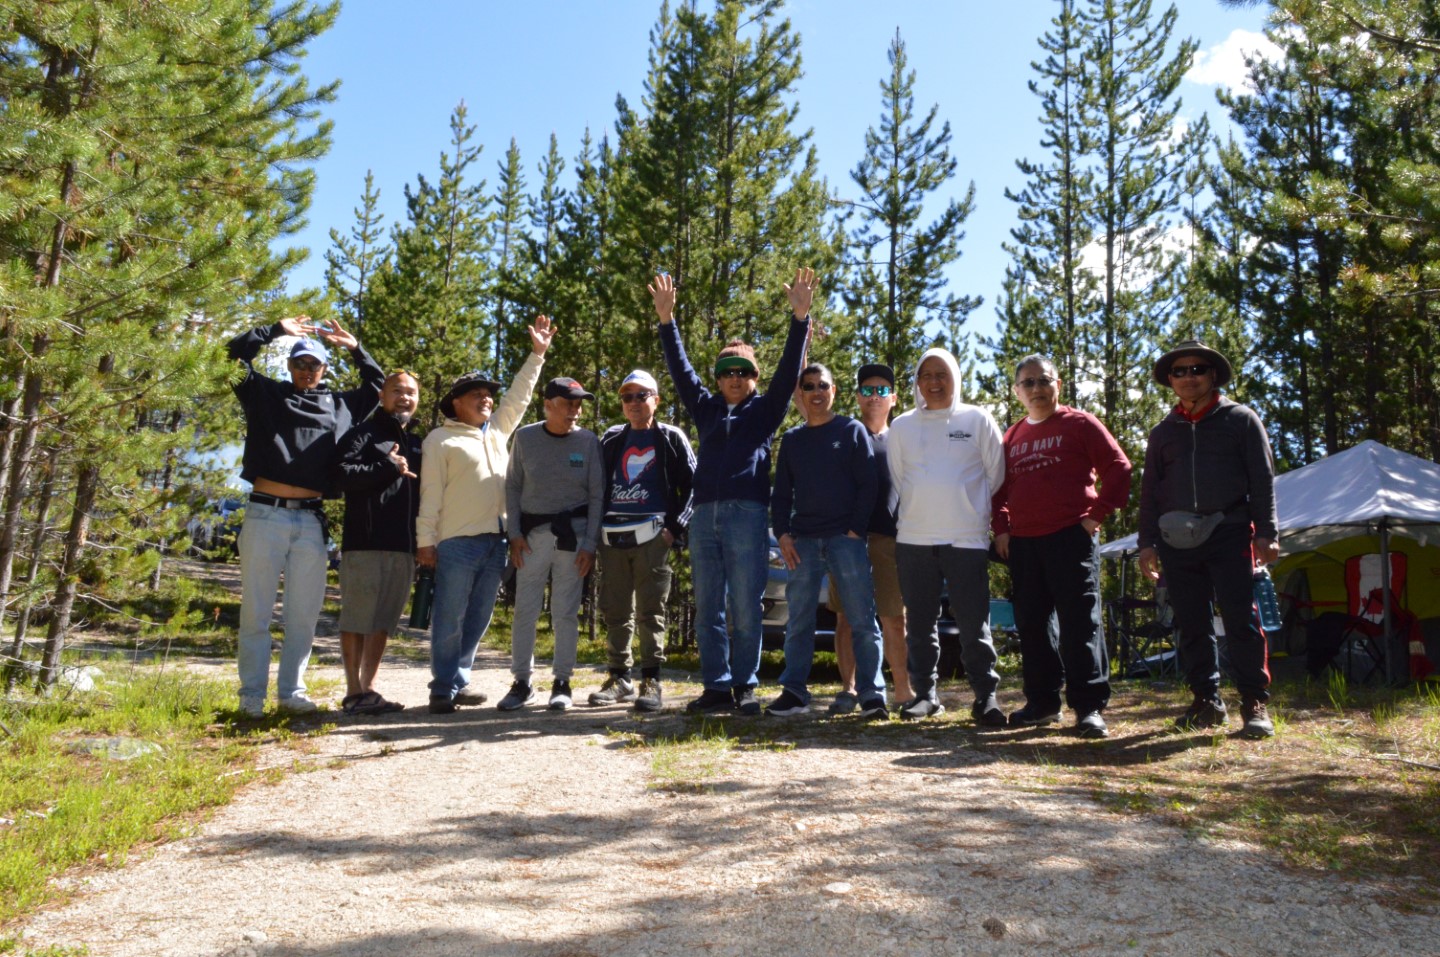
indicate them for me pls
(510, 410)
(1112, 468)
(782, 502)
(432, 492)
(360, 466)
(992, 451)
(682, 495)
(781, 388)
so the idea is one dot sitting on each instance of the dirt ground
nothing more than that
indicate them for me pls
(541, 833)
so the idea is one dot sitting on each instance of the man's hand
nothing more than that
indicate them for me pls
(788, 552)
(1002, 545)
(1267, 551)
(401, 462)
(519, 548)
(662, 291)
(1090, 525)
(425, 556)
(331, 332)
(1150, 564)
(669, 537)
(540, 335)
(299, 326)
(584, 561)
(802, 293)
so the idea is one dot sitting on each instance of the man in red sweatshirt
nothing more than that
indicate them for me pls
(1045, 517)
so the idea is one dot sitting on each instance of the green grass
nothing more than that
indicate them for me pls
(66, 809)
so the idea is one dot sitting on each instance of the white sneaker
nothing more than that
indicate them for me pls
(298, 704)
(252, 707)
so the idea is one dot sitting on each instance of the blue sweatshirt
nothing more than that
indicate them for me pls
(734, 456)
(825, 482)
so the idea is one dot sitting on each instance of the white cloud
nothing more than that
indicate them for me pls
(1223, 65)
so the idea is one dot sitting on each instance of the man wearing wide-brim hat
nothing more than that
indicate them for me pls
(460, 531)
(1207, 516)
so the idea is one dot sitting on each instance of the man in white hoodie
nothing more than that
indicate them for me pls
(946, 460)
(460, 531)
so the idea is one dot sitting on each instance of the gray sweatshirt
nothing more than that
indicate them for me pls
(554, 473)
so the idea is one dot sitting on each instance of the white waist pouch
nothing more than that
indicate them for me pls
(628, 531)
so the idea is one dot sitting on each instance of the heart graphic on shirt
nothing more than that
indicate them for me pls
(635, 461)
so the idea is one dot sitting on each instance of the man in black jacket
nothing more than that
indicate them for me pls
(1207, 514)
(379, 472)
(649, 472)
(291, 432)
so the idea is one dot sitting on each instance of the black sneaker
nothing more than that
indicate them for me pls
(1257, 720)
(711, 701)
(787, 704)
(1091, 725)
(746, 702)
(442, 706)
(1203, 713)
(650, 697)
(560, 697)
(1031, 716)
(874, 710)
(471, 698)
(917, 708)
(519, 695)
(986, 712)
(617, 689)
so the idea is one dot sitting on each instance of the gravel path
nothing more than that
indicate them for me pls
(540, 834)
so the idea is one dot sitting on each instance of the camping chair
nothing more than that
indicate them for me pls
(1144, 648)
(1002, 624)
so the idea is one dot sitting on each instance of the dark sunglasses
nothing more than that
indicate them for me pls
(872, 390)
(812, 386)
(306, 365)
(734, 373)
(1037, 382)
(640, 396)
(1180, 372)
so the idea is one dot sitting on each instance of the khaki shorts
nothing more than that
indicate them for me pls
(374, 587)
(882, 572)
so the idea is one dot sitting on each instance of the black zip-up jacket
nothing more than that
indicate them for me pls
(677, 465)
(291, 435)
(1222, 463)
(380, 503)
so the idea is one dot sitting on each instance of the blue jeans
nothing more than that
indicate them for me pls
(848, 561)
(729, 555)
(468, 570)
(275, 540)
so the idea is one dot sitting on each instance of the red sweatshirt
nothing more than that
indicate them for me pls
(1050, 473)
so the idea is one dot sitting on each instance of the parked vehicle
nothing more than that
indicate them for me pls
(776, 612)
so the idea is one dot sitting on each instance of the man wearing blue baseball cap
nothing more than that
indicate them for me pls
(291, 433)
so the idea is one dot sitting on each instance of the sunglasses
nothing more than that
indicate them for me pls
(869, 391)
(1180, 372)
(734, 373)
(306, 365)
(1036, 382)
(812, 386)
(639, 396)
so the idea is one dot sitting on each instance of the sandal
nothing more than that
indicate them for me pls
(372, 703)
(348, 703)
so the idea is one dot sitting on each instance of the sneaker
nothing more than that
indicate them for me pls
(618, 688)
(746, 702)
(252, 707)
(519, 696)
(711, 701)
(844, 703)
(917, 708)
(1203, 713)
(986, 712)
(1030, 716)
(1257, 720)
(298, 704)
(787, 704)
(650, 698)
(560, 697)
(874, 710)
(442, 705)
(471, 698)
(1091, 725)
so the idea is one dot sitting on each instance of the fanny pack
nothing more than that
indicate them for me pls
(1188, 529)
(627, 531)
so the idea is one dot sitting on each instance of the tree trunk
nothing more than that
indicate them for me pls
(86, 486)
(37, 550)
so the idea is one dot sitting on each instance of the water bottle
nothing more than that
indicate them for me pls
(422, 599)
(1266, 601)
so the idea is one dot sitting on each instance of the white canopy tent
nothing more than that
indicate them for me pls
(1366, 489)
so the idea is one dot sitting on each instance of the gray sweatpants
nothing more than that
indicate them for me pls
(927, 572)
(545, 563)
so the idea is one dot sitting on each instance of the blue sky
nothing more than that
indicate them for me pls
(526, 70)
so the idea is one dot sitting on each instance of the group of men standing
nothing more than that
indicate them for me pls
(900, 515)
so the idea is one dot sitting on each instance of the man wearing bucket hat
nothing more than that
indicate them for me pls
(649, 469)
(1207, 515)
(291, 433)
(460, 531)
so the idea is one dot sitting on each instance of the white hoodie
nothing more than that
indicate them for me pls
(945, 464)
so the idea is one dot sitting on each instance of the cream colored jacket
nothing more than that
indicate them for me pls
(462, 467)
